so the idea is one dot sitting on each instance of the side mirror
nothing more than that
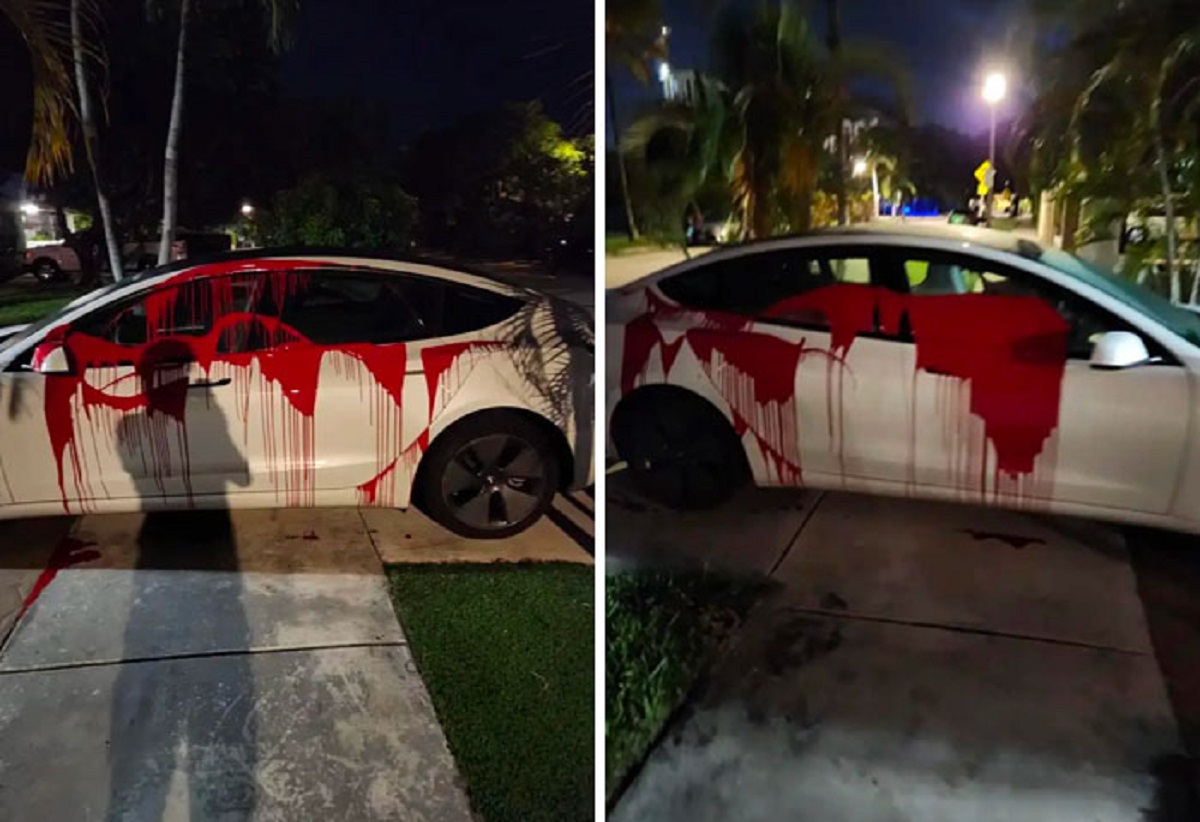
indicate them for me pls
(1119, 349)
(51, 358)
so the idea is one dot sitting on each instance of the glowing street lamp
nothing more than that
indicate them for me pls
(30, 209)
(860, 167)
(995, 86)
(247, 209)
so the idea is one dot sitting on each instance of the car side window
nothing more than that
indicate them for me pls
(335, 307)
(194, 309)
(751, 285)
(933, 275)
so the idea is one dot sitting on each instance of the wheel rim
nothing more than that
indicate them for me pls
(45, 271)
(493, 482)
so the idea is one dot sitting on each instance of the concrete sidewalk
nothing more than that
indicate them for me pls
(931, 662)
(214, 666)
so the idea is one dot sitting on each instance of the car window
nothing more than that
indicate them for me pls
(752, 284)
(470, 309)
(931, 274)
(335, 307)
(191, 309)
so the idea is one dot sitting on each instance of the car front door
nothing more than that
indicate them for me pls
(145, 403)
(788, 342)
(1004, 405)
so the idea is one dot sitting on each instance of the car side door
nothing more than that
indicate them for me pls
(359, 363)
(143, 407)
(1005, 405)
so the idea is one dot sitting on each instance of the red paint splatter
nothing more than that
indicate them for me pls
(1010, 351)
(68, 552)
(439, 360)
(368, 492)
(288, 361)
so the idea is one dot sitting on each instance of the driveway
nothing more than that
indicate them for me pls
(916, 661)
(225, 665)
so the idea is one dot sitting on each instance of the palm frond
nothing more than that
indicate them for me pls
(44, 26)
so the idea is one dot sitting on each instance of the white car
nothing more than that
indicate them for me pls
(264, 380)
(948, 363)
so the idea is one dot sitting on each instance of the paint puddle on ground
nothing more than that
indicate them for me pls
(1012, 540)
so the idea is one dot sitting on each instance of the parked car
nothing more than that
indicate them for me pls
(940, 362)
(269, 379)
(51, 263)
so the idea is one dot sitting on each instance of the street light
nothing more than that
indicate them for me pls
(247, 209)
(30, 209)
(860, 167)
(995, 86)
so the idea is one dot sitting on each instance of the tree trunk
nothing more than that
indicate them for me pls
(91, 142)
(1195, 283)
(841, 148)
(874, 192)
(622, 173)
(1070, 226)
(171, 155)
(1164, 179)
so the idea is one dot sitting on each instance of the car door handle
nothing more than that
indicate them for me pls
(210, 383)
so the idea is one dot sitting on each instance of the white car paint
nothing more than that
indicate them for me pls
(866, 416)
(248, 439)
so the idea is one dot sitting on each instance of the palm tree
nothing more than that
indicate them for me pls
(58, 42)
(633, 39)
(884, 156)
(1127, 90)
(43, 26)
(683, 146)
(280, 14)
(80, 51)
(789, 95)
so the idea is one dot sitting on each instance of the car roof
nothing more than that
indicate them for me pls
(924, 233)
(396, 261)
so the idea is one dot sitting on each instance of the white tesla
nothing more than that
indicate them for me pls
(300, 379)
(946, 362)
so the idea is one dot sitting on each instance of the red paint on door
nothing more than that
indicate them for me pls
(1010, 351)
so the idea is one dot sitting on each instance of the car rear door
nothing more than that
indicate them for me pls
(788, 343)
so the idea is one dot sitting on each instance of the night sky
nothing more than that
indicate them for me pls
(431, 61)
(427, 61)
(945, 44)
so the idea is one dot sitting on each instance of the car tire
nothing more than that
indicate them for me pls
(679, 449)
(47, 271)
(489, 476)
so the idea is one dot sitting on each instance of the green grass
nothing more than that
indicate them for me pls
(662, 631)
(507, 652)
(26, 301)
(30, 311)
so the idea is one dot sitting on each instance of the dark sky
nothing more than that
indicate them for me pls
(427, 61)
(946, 46)
(431, 61)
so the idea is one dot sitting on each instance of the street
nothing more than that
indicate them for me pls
(216, 665)
(923, 661)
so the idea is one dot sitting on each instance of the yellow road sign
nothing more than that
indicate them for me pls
(984, 174)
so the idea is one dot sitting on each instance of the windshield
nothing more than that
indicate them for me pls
(1180, 321)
